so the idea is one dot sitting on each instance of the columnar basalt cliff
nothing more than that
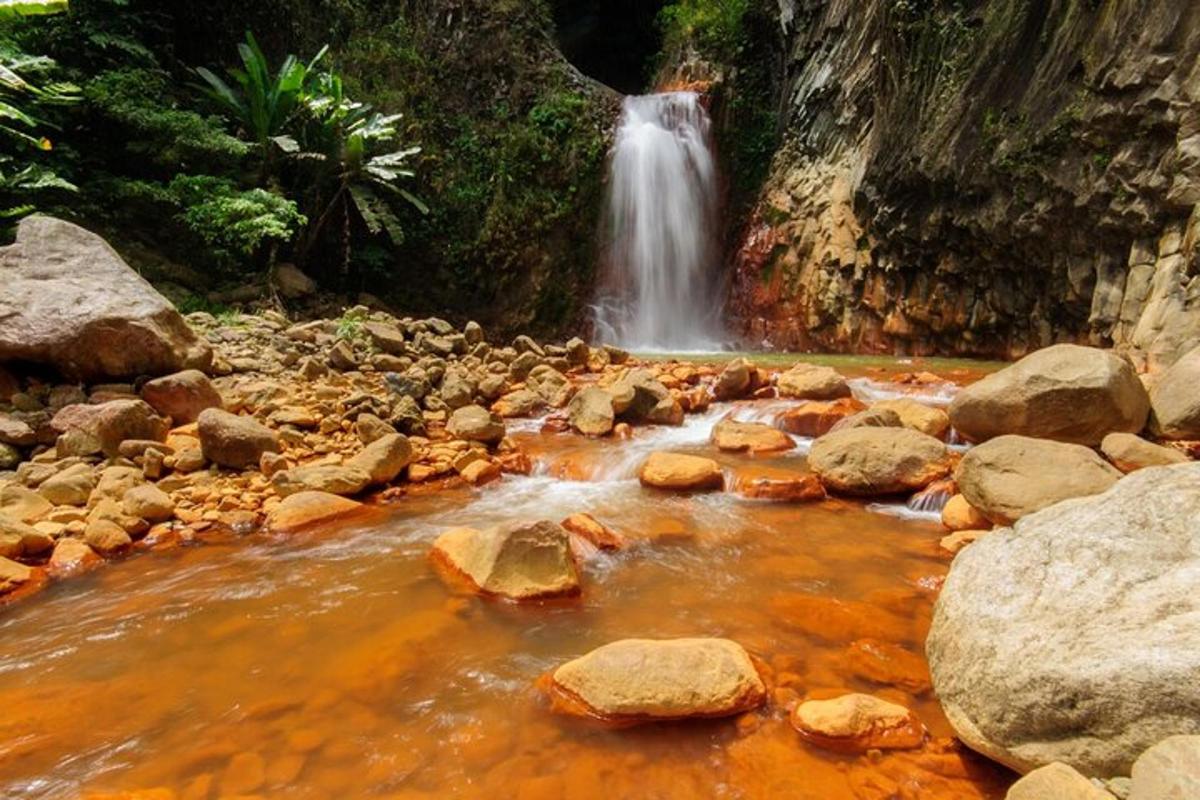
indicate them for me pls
(980, 178)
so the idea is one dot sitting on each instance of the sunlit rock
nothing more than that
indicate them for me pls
(817, 417)
(182, 395)
(1170, 770)
(928, 420)
(959, 515)
(1056, 782)
(1175, 401)
(754, 437)
(642, 680)
(878, 461)
(591, 412)
(307, 508)
(855, 723)
(520, 561)
(1009, 477)
(70, 301)
(1066, 392)
(234, 441)
(476, 424)
(680, 472)
(812, 382)
(1129, 452)
(1026, 647)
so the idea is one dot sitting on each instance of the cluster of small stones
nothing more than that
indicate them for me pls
(367, 405)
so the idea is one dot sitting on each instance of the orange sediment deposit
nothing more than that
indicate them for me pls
(335, 660)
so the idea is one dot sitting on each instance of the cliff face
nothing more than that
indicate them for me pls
(980, 178)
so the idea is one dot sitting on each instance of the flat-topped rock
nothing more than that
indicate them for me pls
(753, 437)
(522, 561)
(643, 680)
(855, 723)
(812, 382)
(71, 302)
(681, 472)
(308, 508)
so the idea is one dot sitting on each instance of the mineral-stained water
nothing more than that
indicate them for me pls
(662, 284)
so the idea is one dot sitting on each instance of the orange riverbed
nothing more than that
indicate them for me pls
(336, 665)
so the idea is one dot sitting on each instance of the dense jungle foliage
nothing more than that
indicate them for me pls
(435, 155)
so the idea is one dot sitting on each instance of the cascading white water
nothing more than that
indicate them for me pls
(662, 291)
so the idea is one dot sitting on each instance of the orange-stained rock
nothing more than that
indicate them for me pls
(889, 664)
(855, 723)
(520, 561)
(644, 680)
(592, 530)
(516, 463)
(815, 417)
(477, 473)
(306, 508)
(754, 437)
(72, 556)
(796, 488)
(681, 472)
(959, 515)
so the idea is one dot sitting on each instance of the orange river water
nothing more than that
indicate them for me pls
(335, 664)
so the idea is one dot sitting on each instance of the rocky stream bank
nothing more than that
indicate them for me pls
(1065, 483)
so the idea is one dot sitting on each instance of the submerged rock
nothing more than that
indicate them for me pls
(642, 680)
(525, 561)
(855, 723)
(1012, 476)
(1066, 392)
(71, 302)
(1070, 636)
(878, 461)
(681, 472)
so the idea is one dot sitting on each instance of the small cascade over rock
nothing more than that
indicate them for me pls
(662, 288)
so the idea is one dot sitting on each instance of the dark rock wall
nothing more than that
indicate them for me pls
(980, 178)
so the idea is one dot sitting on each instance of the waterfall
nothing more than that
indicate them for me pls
(662, 289)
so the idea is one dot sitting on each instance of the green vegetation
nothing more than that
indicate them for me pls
(735, 37)
(214, 154)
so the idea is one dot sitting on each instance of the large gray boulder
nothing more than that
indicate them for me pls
(71, 302)
(1074, 636)
(1010, 477)
(1065, 392)
(1175, 400)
